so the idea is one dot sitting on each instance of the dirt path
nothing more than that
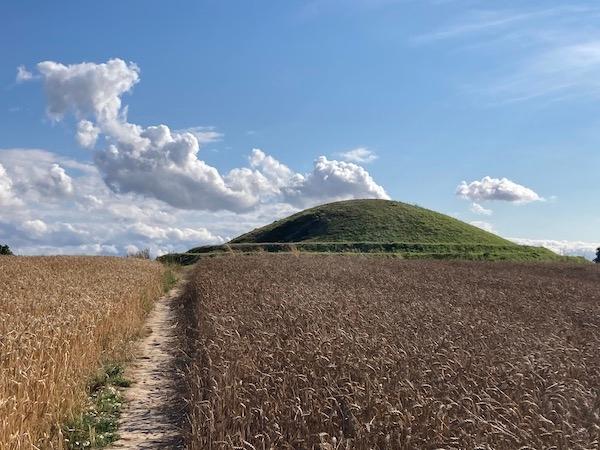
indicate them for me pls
(150, 416)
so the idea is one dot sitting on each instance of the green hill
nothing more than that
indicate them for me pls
(380, 227)
(370, 221)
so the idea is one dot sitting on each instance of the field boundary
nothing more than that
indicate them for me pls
(406, 250)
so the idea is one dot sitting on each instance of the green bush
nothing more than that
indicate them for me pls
(5, 250)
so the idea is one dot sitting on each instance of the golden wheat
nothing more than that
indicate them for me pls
(60, 318)
(358, 353)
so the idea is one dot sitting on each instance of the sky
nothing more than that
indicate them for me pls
(167, 125)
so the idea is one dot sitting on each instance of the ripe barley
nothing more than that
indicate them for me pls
(60, 318)
(340, 352)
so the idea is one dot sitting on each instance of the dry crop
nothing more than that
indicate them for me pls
(356, 352)
(60, 317)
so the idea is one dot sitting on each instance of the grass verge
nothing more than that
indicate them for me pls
(169, 277)
(403, 250)
(97, 426)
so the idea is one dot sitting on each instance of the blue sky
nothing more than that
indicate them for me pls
(432, 93)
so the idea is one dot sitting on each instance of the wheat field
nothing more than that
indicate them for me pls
(60, 318)
(348, 352)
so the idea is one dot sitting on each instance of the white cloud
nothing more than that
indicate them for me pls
(476, 208)
(83, 249)
(58, 182)
(204, 135)
(158, 162)
(91, 201)
(95, 220)
(333, 180)
(7, 196)
(87, 88)
(165, 165)
(275, 175)
(147, 186)
(175, 234)
(87, 134)
(359, 155)
(562, 247)
(23, 74)
(501, 189)
(36, 227)
(131, 249)
(483, 225)
(32, 174)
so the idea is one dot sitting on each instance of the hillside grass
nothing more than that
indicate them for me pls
(371, 221)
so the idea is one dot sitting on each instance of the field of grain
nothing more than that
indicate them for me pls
(60, 318)
(338, 352)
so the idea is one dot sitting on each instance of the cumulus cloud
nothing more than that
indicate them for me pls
(476, 208)
(483, 225)
(145, 181)
(503, 189)
(87, 134)
(562, 247)
(7, 195)
(23, 74)
(59, 233)
(33, 177)
(175, 234)
(48, 181)
(57, 181)
(94, 220)
(36, 227)
(165, 164)
(359, 155)
(87, 88)
(277, 173)
(333, 180)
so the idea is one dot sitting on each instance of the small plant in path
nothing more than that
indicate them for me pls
(97, 426)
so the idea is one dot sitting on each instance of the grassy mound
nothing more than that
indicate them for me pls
(376, 227)
(371, 221)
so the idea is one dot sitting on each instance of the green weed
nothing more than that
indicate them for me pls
(169, 279)
(97, 426)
